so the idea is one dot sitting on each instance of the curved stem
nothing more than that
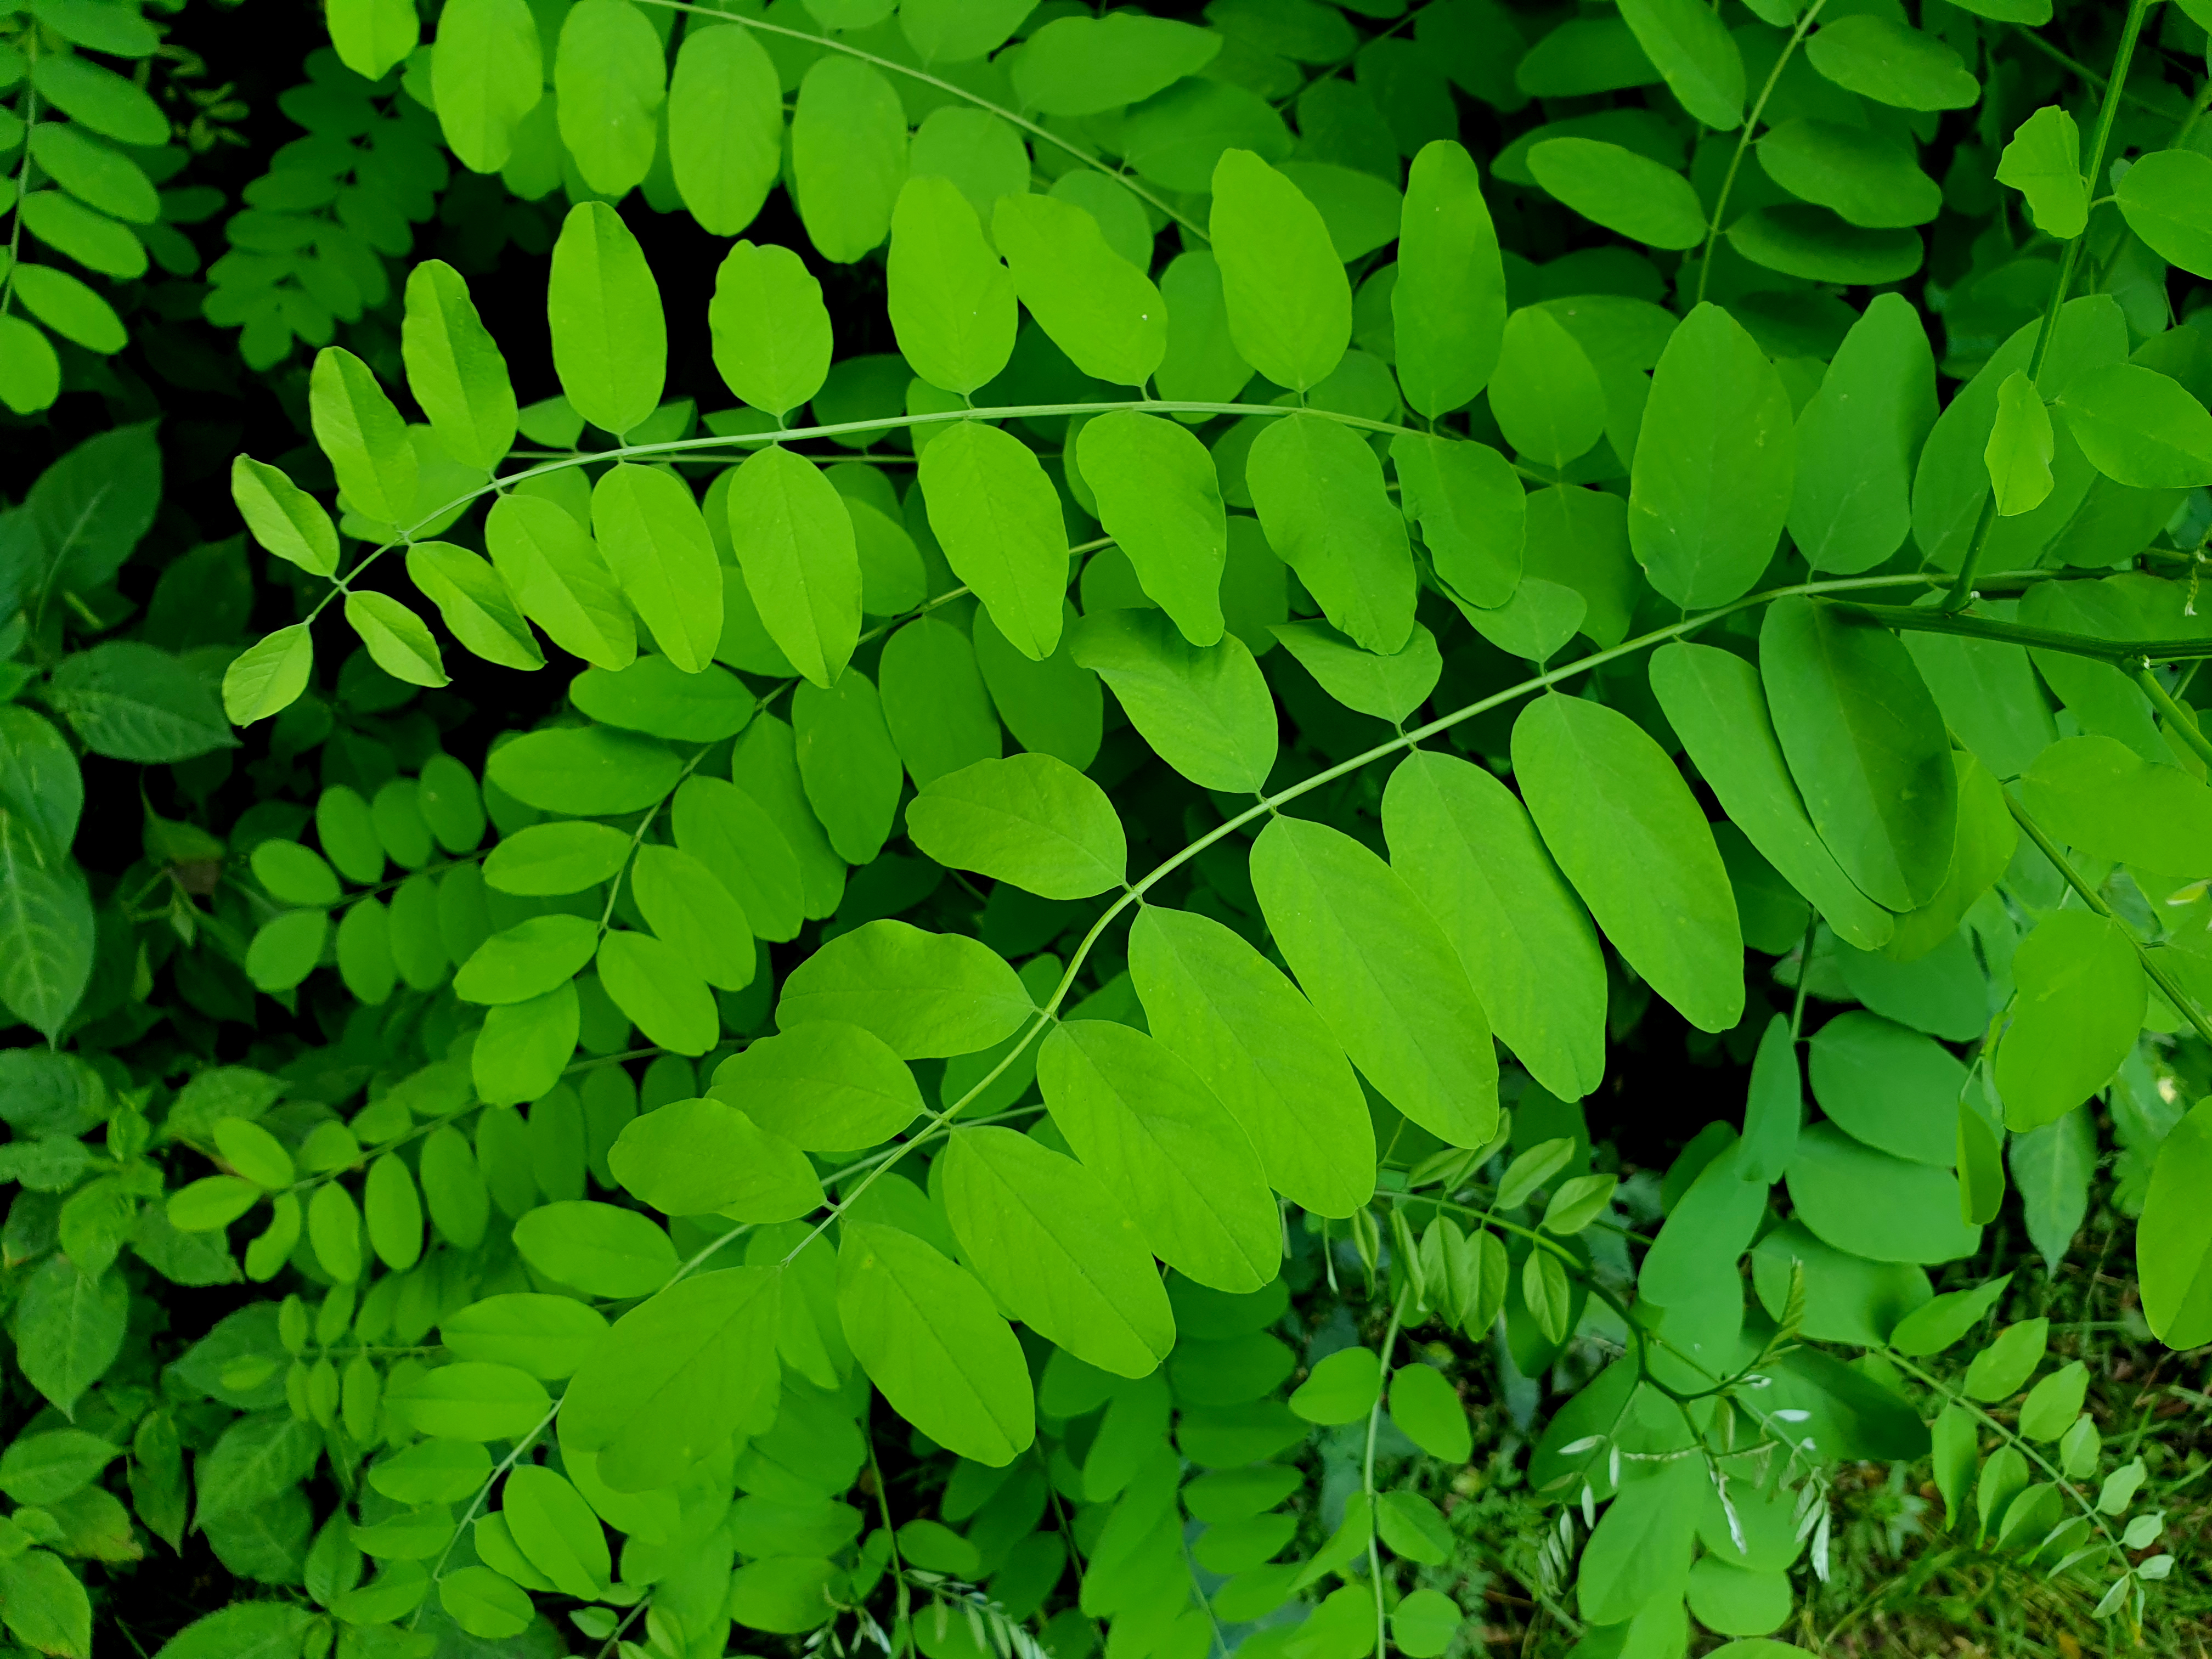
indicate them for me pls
(823, 41)
(1367, 1487)
(1743, 142)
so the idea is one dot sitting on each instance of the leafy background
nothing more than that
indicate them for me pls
(250, 1429)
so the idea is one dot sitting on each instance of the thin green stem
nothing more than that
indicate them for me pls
(679, 447)
(903, 1629)
(2168, 986)
(614, 886)
(1367, 1487)
(1804, 973)
(2023, 1447)
(1962, 589)
(2182, 722)
(827, 44)
(482, 1492)
(2121, 654)
(23, 167)
(1743, 142)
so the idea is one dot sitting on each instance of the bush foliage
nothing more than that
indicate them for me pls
(1321, 828)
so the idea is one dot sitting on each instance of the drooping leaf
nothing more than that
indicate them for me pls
(1289, 303)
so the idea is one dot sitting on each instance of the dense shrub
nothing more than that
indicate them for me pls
(1330, 827)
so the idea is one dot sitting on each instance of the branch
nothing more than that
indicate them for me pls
(2121, 654)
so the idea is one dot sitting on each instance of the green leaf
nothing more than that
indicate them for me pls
(770, 330)
(244, 1630)
(1472, 511)
(925, 994)
(357, 428)
(1389, 688)
(67, 307)
(955, 31)
(109, 104)
(999, 518)
(765, 768)
(654, 541)
(1639, 1552)
(1031, 820)
(1868, 1203)
(1466, 847)
(660, 989)
(1624, 827)
(45, 1604)
(928, 1335)
(1053, 705)
(2098, 795)
(1216, 1004)
(2052, 1167)
(1383, 975)
(486, 77)
(1288, 301)
(609, 79)
(526, 960)
(725, 128)
(609, 342)
(1177, 137)
(1427, 1408)
(42, 1468)
(69, 1327)
(1318, 488)
(2043, 163)
(485, 1604)
(551, 1523)
(1159, 499)
(951, 301)
(398, 641)
(455, 369)
(1718, 706)
(1935, 1325)
(850, 767)
(1812, 243)
(1857, 438)
(1622, 190)
(2173, 1240)
(1448, 305)
(1096, 306)
(676, 1376)
(935, 702)
(286, 949)
(1204, 710)
(822, 1085)
(598, 1249)
(690, 910)
(553, 568)
(133, 702)
(1081, 65)
(794, 542)
(1411, 1525)
(372, 36)
(1045, 1235)
(590, 771)
(525, 1046)
(1892, 64)
(1341, 1389)
(694, 1156)
(256, 1459)
(474, 603)
(1886, 1086)
(849, 144)
(1867, 746)
(1166, 1150)
(548, 1336)
(655, 696)
(2166, 199)
(1714, 466)
(283, 518)
(2002, 1370)
(2075, 1014)
(727, 830)
(1545, 394)
(1689, 45)
(2139, 427)
(30, 372)
(1865, 178)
